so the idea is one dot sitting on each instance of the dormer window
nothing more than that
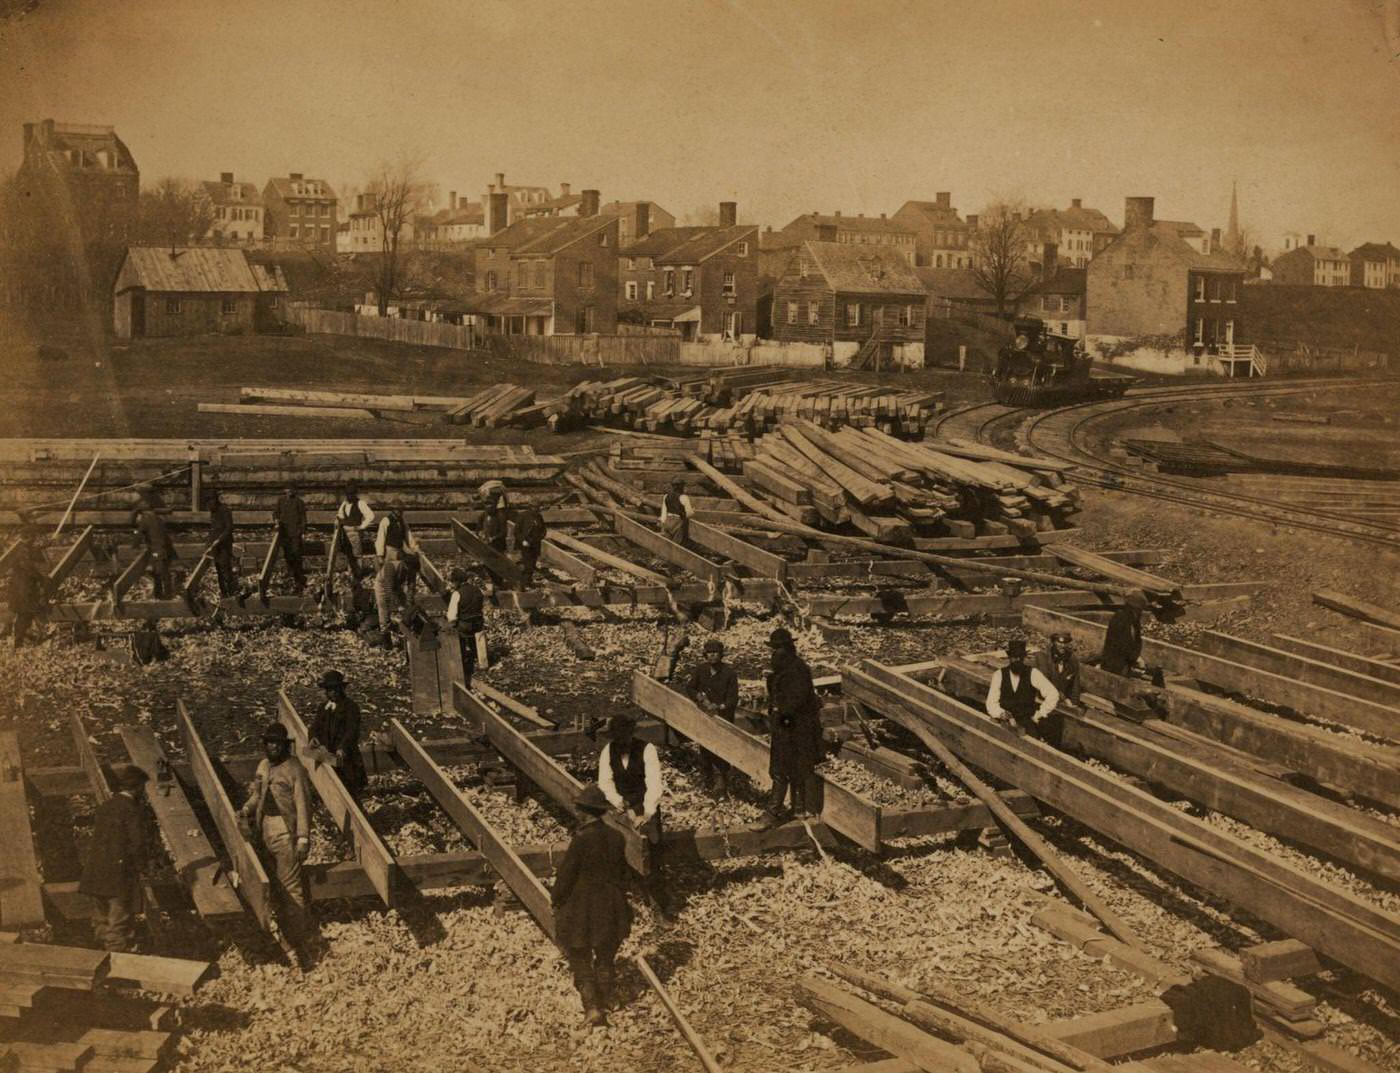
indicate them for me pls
(743, 249)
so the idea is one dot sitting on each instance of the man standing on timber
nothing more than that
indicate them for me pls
(675, 512)
(1060, 665)
(1122, 642)
(493, 496)
(221, 540)
(116, 856)
(289, 515)
(355, 516)
(336, 728)
(466, 613)
(591, 914)
(795, 729)
(629, 774)
(715, 688)
(279, 811)
(29, 586)
(493, 529)
(530, 532)
(1021, 696)
(151, 527)
(393, 542)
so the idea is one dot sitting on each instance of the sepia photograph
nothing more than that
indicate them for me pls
(699, 536)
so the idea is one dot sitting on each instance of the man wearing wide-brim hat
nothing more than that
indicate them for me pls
(1122, 641)
(1019, 695)
(591, 914)
(795, 730)
(278, 810)
(336, 728)
(714, 686)
(116, 855)
(1060, 665)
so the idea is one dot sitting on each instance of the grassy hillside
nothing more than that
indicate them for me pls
(1322, 316)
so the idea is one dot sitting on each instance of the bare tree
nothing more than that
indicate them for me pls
(399, 193)
(174, 212)
(998, 247)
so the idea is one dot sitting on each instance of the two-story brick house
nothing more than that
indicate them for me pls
(1314, 265)
(549, 276)
(940, 235)
(702, 281)
(855, 230)
(298, 211)
(860, 301)
(237, 211)
(1375, 265)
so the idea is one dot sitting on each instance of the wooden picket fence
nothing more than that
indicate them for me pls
(393, 329)
(598, 350)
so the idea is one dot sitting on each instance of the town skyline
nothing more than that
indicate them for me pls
(1132, 98)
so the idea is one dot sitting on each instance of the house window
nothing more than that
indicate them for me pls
(852, 314)
(632, 264)
(1200, 331)
(522, 275)
(585, 273)
(743, 249)
(173, 307)
(792, 312)
(687, 280)
(603, 239)
(728, 283)
(938, 261)
(1064, 328)
(228, 307)
(325, 233)
(670, 281)
(1214, 289)
(490, 281)
(295, 231)
(651, 289)
(325, 210)
(906, 317)
(539, 273)
(631, 290)
(813, 313)
(584, 321)
(1231, 292)
(1200, 288)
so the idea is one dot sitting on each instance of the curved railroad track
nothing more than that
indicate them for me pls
(1065, 434)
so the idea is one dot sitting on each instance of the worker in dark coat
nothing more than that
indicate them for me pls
(116, 856)
(795, 729)
(152, 530)
(1122, 642)
(336, 728)
(591, 914)
(493, 533)
(466, 614)
(221, 538)
(1060, 666)
(530, 532)
(675, 512)
(278, 815)
(289, 515)
(29, 588)
(714, 686)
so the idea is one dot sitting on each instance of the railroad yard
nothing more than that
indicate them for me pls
(1203, 876)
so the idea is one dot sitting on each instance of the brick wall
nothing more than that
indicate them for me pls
(1137, 287)
(601, 295)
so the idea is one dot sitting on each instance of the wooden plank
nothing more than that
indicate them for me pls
(553, 555)
(1114, 571)
(269, 562)
(349, 819)
(449, 667)
(1293, 1002)
(1302, 669)
(190, 849)
(1354, 608)
(1142, 1026)
(21, 889)
(273, 410)
(949, 605)
(888, 1032)
(763, 563)
(650, 577)
(520, 879)
(1275, 689)
(169, 976)
(842, 810)
(131, 575)
(1337, 657)
(510, 704)
(196, 577)
(702, 1052)
(423, 676)
(1283, 959)
(502, 565)
(249, 876)
(667, 550)
(70, 559)
(1334, 922)
(49, 1057)
(546, 773)
(338, 399)
(25, 961)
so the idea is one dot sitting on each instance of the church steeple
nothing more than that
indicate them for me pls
(1232, 233)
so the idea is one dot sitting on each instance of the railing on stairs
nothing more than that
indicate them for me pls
(1244, 358)
(869, 351)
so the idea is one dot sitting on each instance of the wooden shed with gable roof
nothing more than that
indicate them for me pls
(193, 290)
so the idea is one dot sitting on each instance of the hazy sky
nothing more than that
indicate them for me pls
(786, 106)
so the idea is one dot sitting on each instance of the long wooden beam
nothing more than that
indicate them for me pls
(667, 550)
(553, 555)
(249, 876)
(1205, 772)
(1302, 669)
(128, 577)
(476, 828)
(70, 559)
(1339, 657)
(843, 810)
(369, 849)
(1290, 693)
(1330, 920)
(21, 890)
(763, 563)
(573, 543)
(1354, 608)
(191, 852)
(545, 772)
(500, 564)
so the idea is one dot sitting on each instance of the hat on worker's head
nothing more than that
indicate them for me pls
(677, 482)
(457, 575)
(714, 644)
(592, 799)
(130, 777)
(1136, 598)
(332, 680)
(1061, 637)
(352, 489)
(621, 724)
(781, 638)
(276, 732)
(1016, 647)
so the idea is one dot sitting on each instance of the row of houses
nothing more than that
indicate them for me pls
(1374, 265)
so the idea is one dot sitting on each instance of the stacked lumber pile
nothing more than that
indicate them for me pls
(492, 407)
(720, 387)
(63, 1008)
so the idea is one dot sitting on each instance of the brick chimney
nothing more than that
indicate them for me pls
(972, 219)
(497, 211)
(226, 177)
(944, 199)
(1215, 240)
(295, 176)
(1049, 259)
(452, 200)
(1077, 203)
(641, 220)
(500, 180)
(589, 205)
(728, 213)
(563, 189)
(1137, 213)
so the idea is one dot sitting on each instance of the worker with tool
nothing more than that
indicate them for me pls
(221, 543)
(29, 587)
(393, 543)
(1060, 666)
(466, 613)
(675, 512)
(1122, 641)
(493, 527)
(355, 516)
(1020, 696)
(715, 688)
(278, 813)
(795, 730)
(591, 915)
(289, 515)
(116, 856)
(152, 530)
(629, 774)
(530, 532)
(336, 729)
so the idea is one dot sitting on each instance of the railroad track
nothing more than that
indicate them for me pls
(1065, 434)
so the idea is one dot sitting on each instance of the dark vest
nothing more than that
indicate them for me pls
(396, 532)
(354, 516)
(629, 772)
(674, 505)
(1022, 701)
(470, 609)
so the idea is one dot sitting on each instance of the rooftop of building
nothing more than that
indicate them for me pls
(857, 269)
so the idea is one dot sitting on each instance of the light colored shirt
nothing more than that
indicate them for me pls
(1049, 695)
(685, 502)
(651, 764)
(366, 512)
(381, 538)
